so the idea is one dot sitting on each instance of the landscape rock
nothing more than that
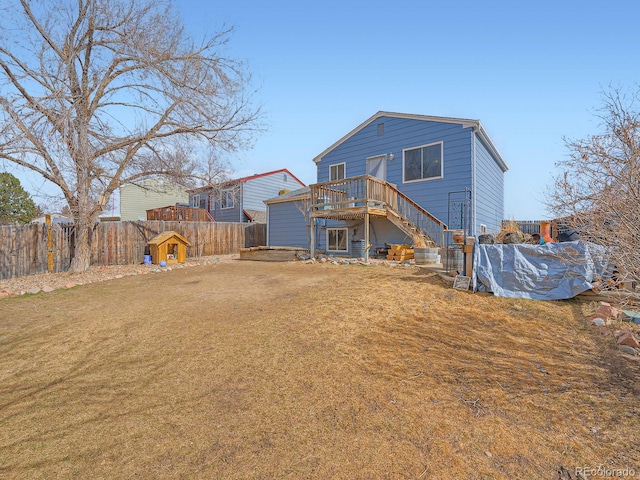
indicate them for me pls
(34, 290)
(605, 310)
(598, 321)
(619, 333)
(48, 288)
(628, 350)
(629, 340)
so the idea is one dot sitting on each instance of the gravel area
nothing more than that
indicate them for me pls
(48, 282)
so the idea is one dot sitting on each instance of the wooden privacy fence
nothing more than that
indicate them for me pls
(531, 226)
(24, 249)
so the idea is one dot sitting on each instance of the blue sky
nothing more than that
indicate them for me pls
(532, 73)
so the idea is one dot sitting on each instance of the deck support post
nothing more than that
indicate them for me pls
(366, 236)
(312, 240)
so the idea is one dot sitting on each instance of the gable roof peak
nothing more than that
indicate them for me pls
(465, 122)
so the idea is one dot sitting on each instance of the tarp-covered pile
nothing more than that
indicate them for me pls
(553, 271)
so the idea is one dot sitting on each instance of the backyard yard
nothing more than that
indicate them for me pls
(249, 370)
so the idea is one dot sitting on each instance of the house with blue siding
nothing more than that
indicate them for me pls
(242, 199)
(396, 178)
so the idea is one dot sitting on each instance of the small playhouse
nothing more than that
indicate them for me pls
(168, 246)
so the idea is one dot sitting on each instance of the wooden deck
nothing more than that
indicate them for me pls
(174, 213)
(367, 197)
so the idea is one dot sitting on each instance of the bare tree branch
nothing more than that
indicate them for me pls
(598, 191)
(97, 93)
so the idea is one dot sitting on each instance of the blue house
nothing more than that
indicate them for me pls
(242, 199)
(396, 178)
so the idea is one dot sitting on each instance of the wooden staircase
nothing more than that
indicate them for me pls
(373, 196)
(420, 239)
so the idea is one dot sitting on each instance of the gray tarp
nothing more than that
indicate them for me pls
(553, 271)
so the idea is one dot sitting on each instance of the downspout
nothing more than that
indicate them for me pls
(241, 202)
(268, 242)
(472, 230)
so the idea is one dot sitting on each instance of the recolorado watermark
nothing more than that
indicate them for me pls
(604, 472)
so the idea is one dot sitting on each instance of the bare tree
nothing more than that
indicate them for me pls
(598, 191)
(97, 93)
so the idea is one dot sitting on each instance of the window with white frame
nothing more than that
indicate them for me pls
(337, 239)
(195, 201)
(336, 172)
(227, 199)
(422, 163)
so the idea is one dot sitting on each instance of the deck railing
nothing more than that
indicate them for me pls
(179, 214)
(367, 192)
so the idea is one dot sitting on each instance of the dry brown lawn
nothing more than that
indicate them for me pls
(284, 370)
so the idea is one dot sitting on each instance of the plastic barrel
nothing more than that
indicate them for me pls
(454, 260)
(147, 259)
(425, 256)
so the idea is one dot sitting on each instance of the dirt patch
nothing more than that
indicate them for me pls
(54, 281)
(288, 370)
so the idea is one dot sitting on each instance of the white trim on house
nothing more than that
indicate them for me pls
(465, 122)
(474, 162)
(346, 240)
(420, 147)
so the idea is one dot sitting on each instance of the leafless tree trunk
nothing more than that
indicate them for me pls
(304, 207)
(97, 93)
(598, 191)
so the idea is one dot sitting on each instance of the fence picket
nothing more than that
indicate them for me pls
(23, 249)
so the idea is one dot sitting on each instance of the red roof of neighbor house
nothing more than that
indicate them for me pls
(250, 177)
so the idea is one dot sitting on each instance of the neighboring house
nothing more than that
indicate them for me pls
(131, 201)
(396, 178)
(56, 219)
(242, 199)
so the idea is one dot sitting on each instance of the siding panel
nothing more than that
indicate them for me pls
(489, 190)
(136, 199)
(401, 134)
(287, 225)
(263, 188)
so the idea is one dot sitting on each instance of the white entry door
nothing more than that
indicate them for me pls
(377, 166)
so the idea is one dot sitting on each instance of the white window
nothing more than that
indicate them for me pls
(337, 239)
(227, 199)
(336, 172)
(195, 201)
(422, 163)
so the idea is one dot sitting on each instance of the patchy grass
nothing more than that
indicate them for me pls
(286, 370)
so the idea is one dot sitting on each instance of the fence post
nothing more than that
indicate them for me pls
(47, 218)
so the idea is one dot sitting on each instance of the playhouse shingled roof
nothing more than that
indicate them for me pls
(164, 236)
